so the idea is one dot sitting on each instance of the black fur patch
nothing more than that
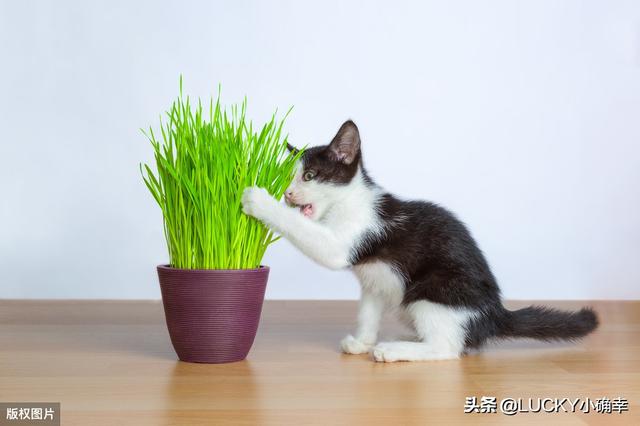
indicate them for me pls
(318, 160)
(441, 263)
(338, 161)
(434, 252)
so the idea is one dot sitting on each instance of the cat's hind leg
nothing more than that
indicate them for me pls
(441, 329)
(409, 351)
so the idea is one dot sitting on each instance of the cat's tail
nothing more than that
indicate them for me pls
(542, 323)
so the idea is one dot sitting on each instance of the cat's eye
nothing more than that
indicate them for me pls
(308, 175)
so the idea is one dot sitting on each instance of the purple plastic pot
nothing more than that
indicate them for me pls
(212, 314)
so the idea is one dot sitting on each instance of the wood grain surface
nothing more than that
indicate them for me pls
(111, 363)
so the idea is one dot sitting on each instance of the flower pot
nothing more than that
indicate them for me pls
(212, 314)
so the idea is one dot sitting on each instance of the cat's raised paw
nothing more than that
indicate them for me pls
(255, 200)
(351, 345)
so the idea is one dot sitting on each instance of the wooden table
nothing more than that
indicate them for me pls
(111, 363)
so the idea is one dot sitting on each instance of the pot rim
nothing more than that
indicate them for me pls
(261, 268)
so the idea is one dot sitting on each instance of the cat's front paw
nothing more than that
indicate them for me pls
(351, 345)
(256, 201)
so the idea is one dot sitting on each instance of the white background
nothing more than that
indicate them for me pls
(521, 116)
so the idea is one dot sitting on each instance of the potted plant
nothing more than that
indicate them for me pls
(213, 287)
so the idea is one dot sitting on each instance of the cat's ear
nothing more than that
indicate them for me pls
(345, 146)
(292, 149)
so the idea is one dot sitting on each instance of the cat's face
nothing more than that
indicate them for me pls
(325, 172)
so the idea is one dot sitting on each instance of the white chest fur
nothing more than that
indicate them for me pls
(381, 279)
(354, 213)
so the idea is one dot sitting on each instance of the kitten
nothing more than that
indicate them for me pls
(410, 256)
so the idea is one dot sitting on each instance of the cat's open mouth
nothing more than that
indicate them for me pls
(306, 209)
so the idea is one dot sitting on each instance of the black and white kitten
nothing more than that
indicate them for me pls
(413, 257)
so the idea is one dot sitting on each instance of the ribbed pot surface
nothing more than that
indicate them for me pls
(212, 314)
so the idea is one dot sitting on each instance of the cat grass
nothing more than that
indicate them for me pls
(204, 159)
